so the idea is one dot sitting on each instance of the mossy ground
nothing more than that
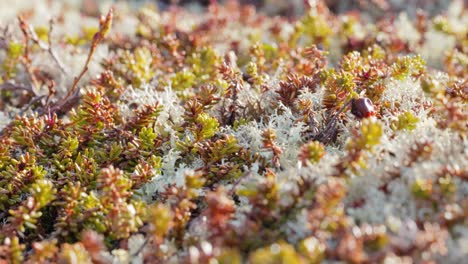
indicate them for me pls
(225, 134)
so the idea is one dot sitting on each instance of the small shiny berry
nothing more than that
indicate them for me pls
(362, 107)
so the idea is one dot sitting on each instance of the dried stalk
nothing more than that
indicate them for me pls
(105, 24)
(30, 33)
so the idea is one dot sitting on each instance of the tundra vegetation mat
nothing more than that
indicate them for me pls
(226, 135)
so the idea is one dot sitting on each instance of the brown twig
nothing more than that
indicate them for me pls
(33, 101)
(30, 33)
(6, 34)
(105, 24)
(140, 249)
(328, 131)
(26, 60)
(51, 51)
(13, 87)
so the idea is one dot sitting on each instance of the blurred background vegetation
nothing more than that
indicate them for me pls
(373, 8)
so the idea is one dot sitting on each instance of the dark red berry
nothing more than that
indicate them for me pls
(362, 107)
